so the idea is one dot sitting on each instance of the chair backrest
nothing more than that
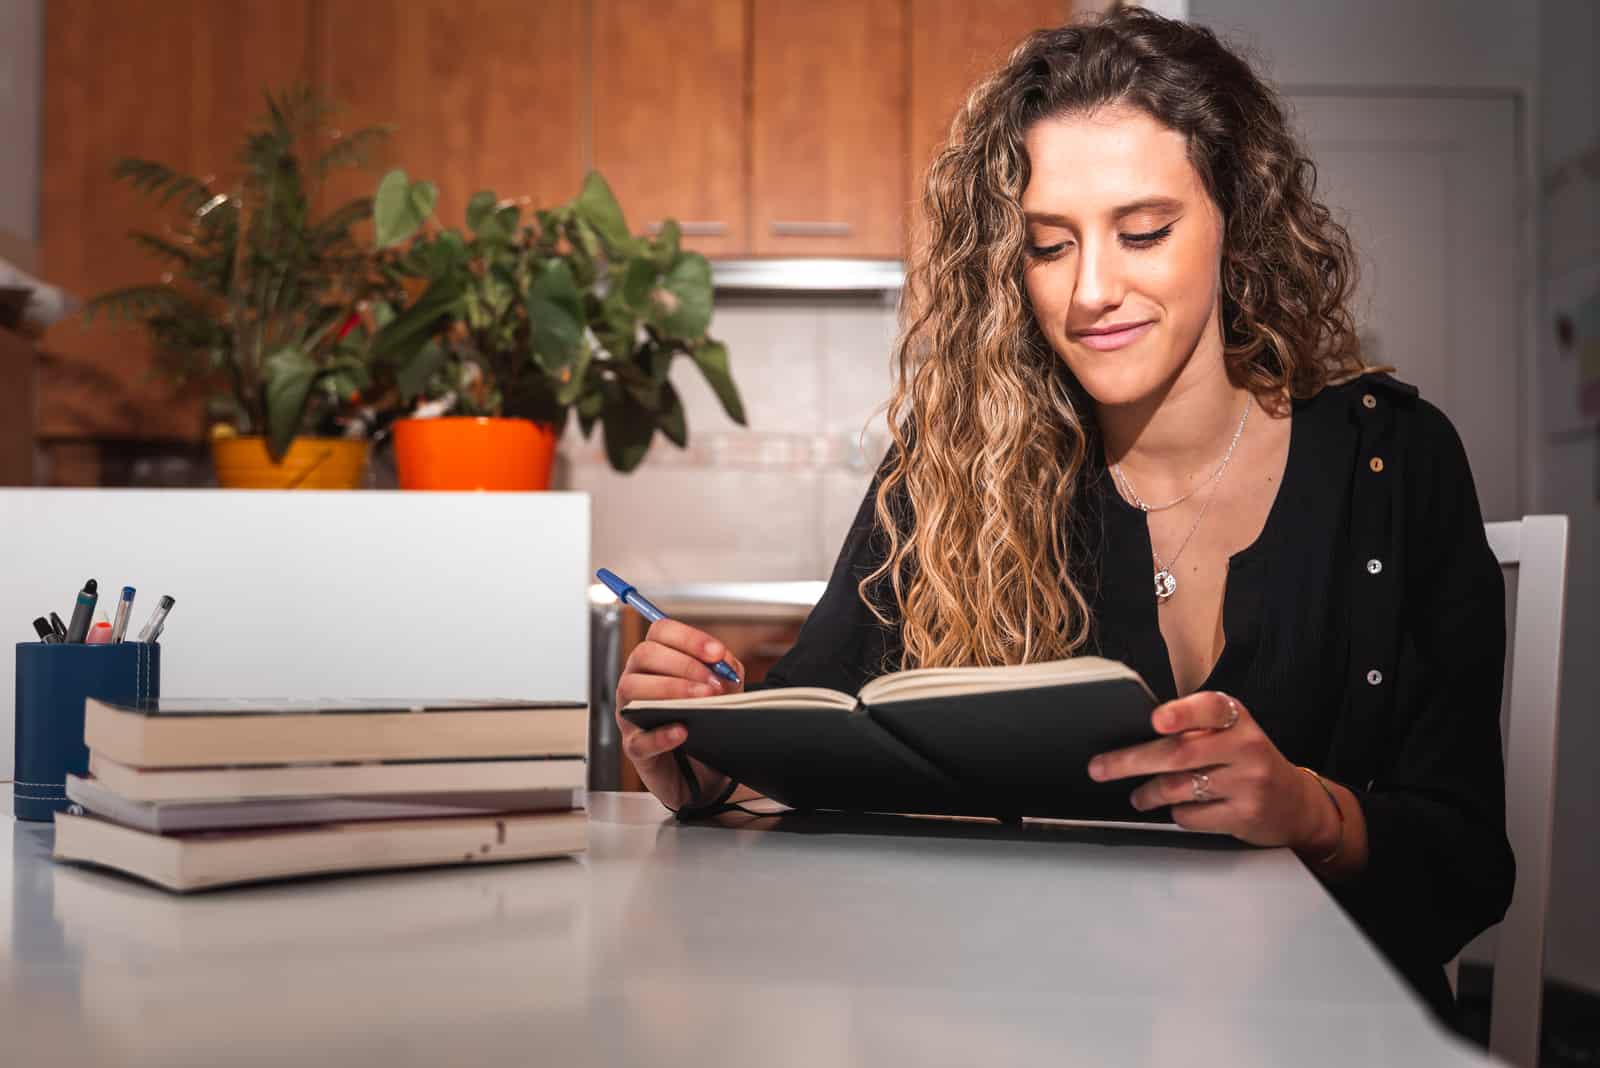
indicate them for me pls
(1535, 548)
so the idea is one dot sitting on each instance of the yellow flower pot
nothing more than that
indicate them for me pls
(310, 463)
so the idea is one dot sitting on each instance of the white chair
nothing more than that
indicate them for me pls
(1535, 549)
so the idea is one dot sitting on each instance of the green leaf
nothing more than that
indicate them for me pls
(638, 278)
(570, 383)
(140, 302)
(670, 418)
(354, 149)
(510, 217)
(400, 339)
(617, 328)
(585, 240)
(643, 388)
(479, 208)
(628, 427)
(712, 359)
(682, 304)
(597, 206)
(590, 405)
(401, 207)
(289, 374)
(555, 316)
(415, 373)
(164, 184)
(448, 252)
(162, 247)
(664, 251)
(488, 222)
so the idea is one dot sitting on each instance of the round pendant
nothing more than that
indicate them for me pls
(1166, 585)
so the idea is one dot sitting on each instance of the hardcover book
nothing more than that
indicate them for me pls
(984, 741)
(205, 859)
(201, 732)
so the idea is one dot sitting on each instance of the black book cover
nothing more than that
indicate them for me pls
(1006, 753)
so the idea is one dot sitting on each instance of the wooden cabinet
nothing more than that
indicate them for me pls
(177, 82)
(766, 128)
(17, 363)
(486, 95)
(827, 128)
(953, 44)
(669, 118)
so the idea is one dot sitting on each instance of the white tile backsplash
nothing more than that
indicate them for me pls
(857, 343)
(841, 493)
(773, 352)
(769, 502)
(662, 525)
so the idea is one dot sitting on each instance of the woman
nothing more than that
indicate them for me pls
(1131, 418)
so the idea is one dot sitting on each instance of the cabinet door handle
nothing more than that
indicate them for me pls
(694, 228)
(802, 228)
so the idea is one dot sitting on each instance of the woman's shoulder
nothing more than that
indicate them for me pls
(1380, 396)
(1401, 433)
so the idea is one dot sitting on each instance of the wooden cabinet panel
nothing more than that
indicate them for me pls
(486, 95)
(828, 129)
(953, 44)
(17, 362)
(177, 82)
(669, 116)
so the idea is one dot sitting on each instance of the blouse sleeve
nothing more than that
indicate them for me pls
(842, 644)
(1440, 869)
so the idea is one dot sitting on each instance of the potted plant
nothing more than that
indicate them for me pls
(258, 299)
(518, 321)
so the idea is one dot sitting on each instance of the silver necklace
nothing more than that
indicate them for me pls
(1122, 479)
(1166, 582)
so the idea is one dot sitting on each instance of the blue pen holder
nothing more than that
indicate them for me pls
(53, 681)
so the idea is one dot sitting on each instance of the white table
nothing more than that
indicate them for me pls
(707, 946)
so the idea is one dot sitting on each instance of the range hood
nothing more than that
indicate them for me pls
(808, 275)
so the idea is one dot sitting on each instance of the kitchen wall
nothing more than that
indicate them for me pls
(770, 501)
(1567, 457)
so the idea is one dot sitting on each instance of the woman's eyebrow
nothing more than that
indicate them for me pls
(1050, 218)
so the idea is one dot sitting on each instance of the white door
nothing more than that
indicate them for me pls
(1428, 189)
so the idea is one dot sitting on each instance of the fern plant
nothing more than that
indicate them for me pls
(258, 293)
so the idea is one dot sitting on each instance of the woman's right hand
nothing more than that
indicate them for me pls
(670, 664)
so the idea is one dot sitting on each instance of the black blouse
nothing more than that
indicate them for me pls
(1365, 631)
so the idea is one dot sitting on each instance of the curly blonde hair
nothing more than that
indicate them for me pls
(991, 434)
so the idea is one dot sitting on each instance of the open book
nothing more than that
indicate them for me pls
(995, 741)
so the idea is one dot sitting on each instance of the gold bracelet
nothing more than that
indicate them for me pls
(1338, 845)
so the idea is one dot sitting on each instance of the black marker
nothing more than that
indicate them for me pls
(83, 613)
(46, 632)
(59, 627)
(158, 620)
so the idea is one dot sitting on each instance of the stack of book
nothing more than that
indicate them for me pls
(196, 794)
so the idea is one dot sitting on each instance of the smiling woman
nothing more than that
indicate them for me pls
(1131, 417)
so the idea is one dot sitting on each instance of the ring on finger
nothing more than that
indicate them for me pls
(1202, 786)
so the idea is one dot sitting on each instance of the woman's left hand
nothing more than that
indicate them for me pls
(1215, 748)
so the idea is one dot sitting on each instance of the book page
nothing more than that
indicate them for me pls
(921, 683)
(787, 697)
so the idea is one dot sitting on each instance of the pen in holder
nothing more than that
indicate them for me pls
(53, 681)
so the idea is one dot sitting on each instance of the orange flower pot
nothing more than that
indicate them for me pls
(470, 453)
(309, 463)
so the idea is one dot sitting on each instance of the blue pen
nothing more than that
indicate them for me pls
(119, 626)
(635, 600)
